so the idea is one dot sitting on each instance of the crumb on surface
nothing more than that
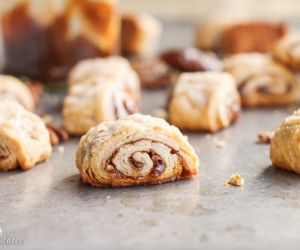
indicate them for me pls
(219, 143)
(108, 197)
(236, 180)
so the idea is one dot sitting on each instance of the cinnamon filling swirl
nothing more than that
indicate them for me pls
(124, 105)
(265, 85)
(146, 162)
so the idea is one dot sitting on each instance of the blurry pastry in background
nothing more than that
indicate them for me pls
(140, 34)
(96, 100)
(11, 88)
(258, 36)
(44, 39)
(135, 150)
(209, 34)
(262, 81)
(110, 67)
(153, 73)
(191, 60)
(206, 101)
(287, 51)
(233, 37)
(24, 139)
(285, 146)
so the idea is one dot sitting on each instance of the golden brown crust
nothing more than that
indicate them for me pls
(96, 100)
(11, 88)
(284, 149)
(261, 81)
(252, 36)
(140, 34)
(204, 101)
(24, 139)
(287, 51)
(231, 36)
(136, 150)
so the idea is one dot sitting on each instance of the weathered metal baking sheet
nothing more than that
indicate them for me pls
(48, 207)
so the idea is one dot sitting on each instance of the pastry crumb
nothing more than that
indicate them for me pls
(161, 113)
(235, 180)
(265, 137)
(219, 143)
(60, 149)
(108, 197)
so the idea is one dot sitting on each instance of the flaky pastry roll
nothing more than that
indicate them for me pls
(261, 81)
(232, 35)
(285, 144)
(11, 88)
(96, 100)
(287, 51)
(204, 101)
(136, 150)
(24, 139)
(140, 34)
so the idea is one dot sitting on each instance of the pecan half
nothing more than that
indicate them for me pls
(57, 134)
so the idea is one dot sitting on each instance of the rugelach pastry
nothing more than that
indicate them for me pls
(237, 36)
(96, 100)
(11, 88)
(135, 150)
(207, 101)
(287, 51)
(111, 67)
(285, 144)
(140, 34)
(262, 81)
(24, 139)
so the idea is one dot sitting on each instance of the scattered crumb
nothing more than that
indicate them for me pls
(60, 149)
(235, 180)
(219, 143)
(161, 113)
(107, 197)
(265, 137)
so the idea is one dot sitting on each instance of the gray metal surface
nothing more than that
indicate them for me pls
(49, 208)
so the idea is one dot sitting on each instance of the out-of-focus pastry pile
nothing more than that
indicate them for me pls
(232, 65)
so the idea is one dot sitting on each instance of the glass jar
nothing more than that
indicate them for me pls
(43, 39)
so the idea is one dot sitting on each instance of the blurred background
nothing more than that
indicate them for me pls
(195, 10)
